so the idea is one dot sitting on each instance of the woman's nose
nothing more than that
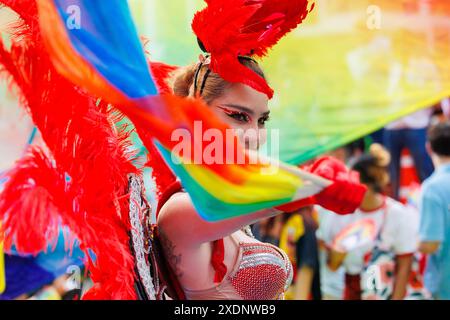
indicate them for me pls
(252, 138)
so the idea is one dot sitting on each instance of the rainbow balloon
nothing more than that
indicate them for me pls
(95, 45)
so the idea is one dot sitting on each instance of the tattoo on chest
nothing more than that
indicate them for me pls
(169, 252)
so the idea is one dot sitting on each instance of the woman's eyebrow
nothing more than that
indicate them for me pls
(241, 108)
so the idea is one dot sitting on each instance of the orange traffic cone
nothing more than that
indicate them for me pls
(409, 181)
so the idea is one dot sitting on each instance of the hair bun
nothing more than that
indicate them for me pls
(381, 155)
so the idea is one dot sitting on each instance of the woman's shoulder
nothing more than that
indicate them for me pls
(173, 208)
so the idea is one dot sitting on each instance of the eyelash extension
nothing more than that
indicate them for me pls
(233, 113)
(265, 119)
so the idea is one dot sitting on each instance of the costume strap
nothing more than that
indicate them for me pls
(217, 258)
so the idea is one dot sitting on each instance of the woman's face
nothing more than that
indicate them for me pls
(245, 110)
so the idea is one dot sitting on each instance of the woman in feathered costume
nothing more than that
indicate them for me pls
(88, 181)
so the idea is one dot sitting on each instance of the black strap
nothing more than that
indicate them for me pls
(208, 72)
(197, 72)
(205, 77)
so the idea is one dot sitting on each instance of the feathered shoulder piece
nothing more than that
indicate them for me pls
(227, 29)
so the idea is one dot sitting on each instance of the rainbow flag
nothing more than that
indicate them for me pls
(95, 45)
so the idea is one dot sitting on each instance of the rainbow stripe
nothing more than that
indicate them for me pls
(95, 45)
(355, 235)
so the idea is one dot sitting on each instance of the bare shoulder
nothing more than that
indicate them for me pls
(174, 208)
(176, 216)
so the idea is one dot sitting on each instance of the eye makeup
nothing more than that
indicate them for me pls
(237, 115)
(241, 115)
(262, 121)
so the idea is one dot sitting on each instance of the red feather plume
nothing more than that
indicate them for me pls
(161, 73)
(33, 196)
(228, 29)
(82, 181)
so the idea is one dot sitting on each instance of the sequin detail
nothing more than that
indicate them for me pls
(264, 272)
(140, 248)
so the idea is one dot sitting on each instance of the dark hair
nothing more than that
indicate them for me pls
(373, 167)
(439, 138)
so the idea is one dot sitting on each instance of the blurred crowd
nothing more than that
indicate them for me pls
(397, 244)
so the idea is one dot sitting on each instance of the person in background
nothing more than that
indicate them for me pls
(298, 240)
(435, 213)
(268, 230)
(332, 282)
(445, 107)
(395, 229)
(408, 132)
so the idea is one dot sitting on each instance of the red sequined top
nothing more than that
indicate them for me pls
(262, 272)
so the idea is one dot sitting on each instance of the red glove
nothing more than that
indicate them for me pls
(344, 196)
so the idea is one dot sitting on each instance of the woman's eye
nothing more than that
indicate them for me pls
(262, 121)
(242, 117)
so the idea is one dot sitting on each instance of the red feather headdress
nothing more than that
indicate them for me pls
(227, 29)
(80, 179)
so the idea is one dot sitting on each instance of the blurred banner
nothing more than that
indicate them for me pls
(350, 69)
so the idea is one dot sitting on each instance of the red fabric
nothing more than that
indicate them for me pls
(296, 205)
(344, 196)
(341, 197)
(422, 263)
(352, 289)
(217, 258)
(228, 29)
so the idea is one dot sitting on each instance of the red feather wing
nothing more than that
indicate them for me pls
(83, 183)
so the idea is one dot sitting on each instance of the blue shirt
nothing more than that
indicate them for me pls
(435, 226)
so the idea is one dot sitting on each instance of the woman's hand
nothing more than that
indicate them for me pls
(343, 196)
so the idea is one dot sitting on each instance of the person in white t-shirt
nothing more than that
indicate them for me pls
(394, 228)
